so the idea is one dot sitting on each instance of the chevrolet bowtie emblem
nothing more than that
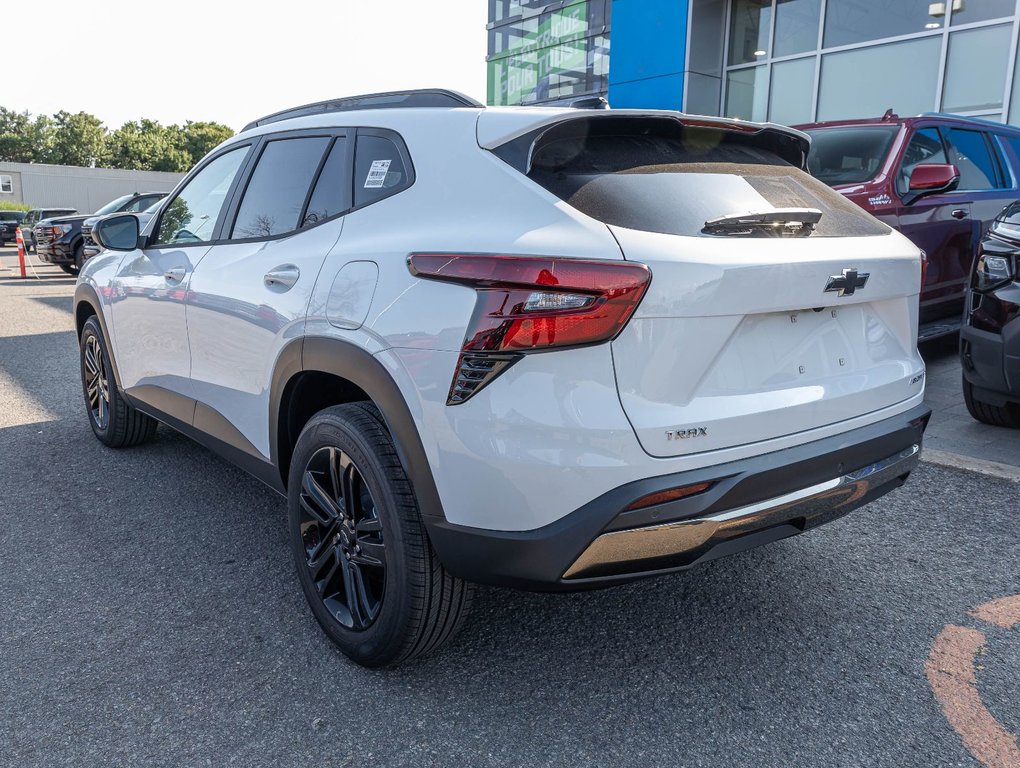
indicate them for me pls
(848, 282)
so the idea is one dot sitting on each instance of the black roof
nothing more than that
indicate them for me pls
(426, 97)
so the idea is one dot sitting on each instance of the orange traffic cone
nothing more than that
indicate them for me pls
(21, 251)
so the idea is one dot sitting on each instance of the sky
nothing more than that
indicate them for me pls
(232, 62)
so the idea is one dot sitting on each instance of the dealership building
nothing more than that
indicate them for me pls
(789, 61)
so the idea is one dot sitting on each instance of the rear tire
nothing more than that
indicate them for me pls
(358, 538)
(114, 420)
(997, 416)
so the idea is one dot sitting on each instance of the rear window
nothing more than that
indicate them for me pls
(849, 155)
(677, 182)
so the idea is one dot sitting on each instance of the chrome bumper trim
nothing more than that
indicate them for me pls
(683, 542)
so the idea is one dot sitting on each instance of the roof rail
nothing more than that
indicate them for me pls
(425, 97)
(954, 116)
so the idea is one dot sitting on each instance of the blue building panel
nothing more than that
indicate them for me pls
(649, 54)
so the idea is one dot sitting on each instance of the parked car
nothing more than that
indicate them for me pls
(89, 246)
(36, 215)
(9, 223)
(59, 239)
(939, 179)
(990, 339)
(518, 347)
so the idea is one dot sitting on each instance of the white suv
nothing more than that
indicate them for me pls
(548, 348)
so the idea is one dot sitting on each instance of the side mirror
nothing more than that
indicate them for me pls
(931, 179)
(117, 233)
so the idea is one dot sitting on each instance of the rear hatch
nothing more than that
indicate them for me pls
(776, 306)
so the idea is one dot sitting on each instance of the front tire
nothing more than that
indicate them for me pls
(996, 416)
(362, 554)
(115, 422)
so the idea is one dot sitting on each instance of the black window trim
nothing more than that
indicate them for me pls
(169, 199)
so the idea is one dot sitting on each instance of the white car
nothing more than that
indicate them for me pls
(548, 348)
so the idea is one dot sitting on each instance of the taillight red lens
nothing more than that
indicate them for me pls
(528, 303)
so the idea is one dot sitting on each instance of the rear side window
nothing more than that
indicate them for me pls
(968, 151)
(276, 193)
(675, 184)
(331, 195)
(379, 169)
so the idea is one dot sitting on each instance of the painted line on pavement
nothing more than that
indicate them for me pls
(969, 463)
(950, 670)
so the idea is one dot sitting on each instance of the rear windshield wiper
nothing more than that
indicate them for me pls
(779, 222)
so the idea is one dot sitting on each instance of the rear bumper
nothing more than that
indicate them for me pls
(750, 502)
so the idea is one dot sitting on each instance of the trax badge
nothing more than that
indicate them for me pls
(848, 282)
(683, 434)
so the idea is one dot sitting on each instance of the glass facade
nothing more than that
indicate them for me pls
(547, 52)
(795, 61)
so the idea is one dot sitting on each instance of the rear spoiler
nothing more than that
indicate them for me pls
(516, 146)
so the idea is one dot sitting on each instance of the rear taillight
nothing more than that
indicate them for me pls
(924, 268)
(527, 304)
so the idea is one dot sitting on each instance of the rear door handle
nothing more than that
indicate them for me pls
(960, 213)
(282, 278)
(174, 275)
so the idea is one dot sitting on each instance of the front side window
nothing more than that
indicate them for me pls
(191, 217)
(849, 155)
(925, 147)
(968, 151)
(379, 169)
(276, 193)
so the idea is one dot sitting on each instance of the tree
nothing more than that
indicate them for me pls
(79, 139)
(200, 138)
(16, 144)
(148, 146)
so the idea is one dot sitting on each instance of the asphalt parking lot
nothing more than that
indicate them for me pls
(149, 616)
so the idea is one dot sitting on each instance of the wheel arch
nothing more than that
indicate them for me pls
(318, 372)
(86, 305)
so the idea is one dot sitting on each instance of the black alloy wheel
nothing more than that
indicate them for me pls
(343, 539)
(97, 382)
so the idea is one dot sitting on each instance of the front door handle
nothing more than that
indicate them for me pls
(960, 213)
(174, 275)
(282, 278)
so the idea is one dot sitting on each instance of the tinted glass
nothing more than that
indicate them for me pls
(114, 205)
(143, 202)
(191, 216)
(849, 155)
(796, 26)
(793, 84)
(855, 21)
(331, 190)
(378, 169)
(276, 193)
(883, 67)
(675, 184)
(750, 21)
(976, 69)
(925, 147)
(747, 93)
(982, 10)
(969, 153)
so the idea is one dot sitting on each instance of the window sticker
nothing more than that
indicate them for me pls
(377, 174)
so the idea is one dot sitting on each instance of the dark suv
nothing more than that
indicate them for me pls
(939, 179)
(60, 241)
(34, 217)
(990, 338)
(9, 223)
